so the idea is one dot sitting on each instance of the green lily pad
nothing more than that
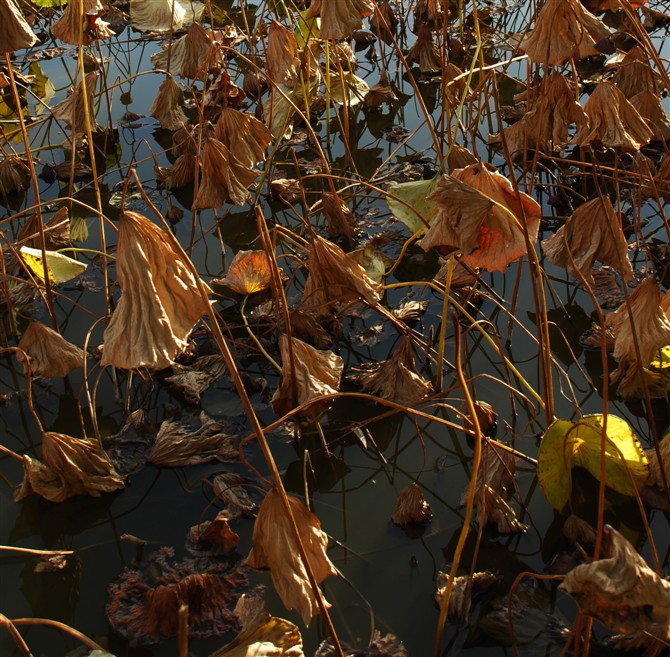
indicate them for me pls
(567, 444)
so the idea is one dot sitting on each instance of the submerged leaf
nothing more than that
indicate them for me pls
(568, 444)
(274, 548)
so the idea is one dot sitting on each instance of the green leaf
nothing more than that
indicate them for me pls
(60, 267)
(42, 87)
(414, 195)
(568, 444)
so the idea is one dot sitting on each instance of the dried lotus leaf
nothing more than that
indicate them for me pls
(50, 355)
(16, 34)
(411, 507)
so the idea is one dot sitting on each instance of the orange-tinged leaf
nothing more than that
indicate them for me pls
(249, 272)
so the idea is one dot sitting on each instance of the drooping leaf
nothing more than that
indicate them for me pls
(60, 268)
(408, 203)
(567, 444)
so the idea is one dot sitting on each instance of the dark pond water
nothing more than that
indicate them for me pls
(390, 574)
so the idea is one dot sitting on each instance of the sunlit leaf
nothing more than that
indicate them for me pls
(567, 444)
(374, 262)
(42, 87)
(78, 229)
(249, 272)
(60, 268)
(408, 203)
(661, 360)
(349, 89)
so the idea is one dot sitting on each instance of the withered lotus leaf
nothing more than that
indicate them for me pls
(160, 301)
(341, 220)
(80, 22)
(213, 537)
(395, 378)
(180, 174)
(306, 373)
(191, 382)
(167, 106)
(388, 645)
(592, 232)
(381, 92)
(634, 74)
(70, 466)
(262, 635)
(339, 18)
(282, 61)
(462, 590)
(249, 272)
(613, 121)
(56, 231)
(179, 443)
(223, 178)
(16, 34)
(411, 507)
(480, 214)
(189, 56)
(563, 30)
(13, 176)
(163, 15)
(425, 51)
(621, 591)
(71, 109)
(275, 549)
(334, 277)
(243, 135)
(49, 353)
(144, 604)
(648, 104)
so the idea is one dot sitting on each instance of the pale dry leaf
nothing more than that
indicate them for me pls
(230, 488)
(411, 507)
(339, 18)
(70, 466)
(188, 442)
(335, 278)
(395, 378)
(163, 15)
(621, 591)
(50, 354)
(341, 220)
(592, 232)
(634, 74)
(425, 51)
(282, 60)
(613, 121)
(243, 135)
(648, 105)
(194, 380)
(81, 22)
(16, 34)
(160, 301)
(275, 549)
(563, 30)
(190, 56)
(306, 373)
(71, 110)
(167, 106)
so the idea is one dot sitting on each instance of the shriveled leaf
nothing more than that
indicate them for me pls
(191, 382)
(462, 590)
(144, 604)
(59, 268)
(230, 488)
(213, 538)
(411, 507)
(374, 262)
(50, 354)
(182, 443)
(567, 444)
(70, 466)
(409, 203)
(274, 548)
(622, 592)
(348, 90)
(262, 635)
(249, 272)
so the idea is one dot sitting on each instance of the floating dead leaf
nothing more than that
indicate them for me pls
(190, 56)
(144, 604)
(80, 23)
(249, 273)
(71, 110)
(462, 590)
(167, 106)
(163, 15)
(192, 441)
(70, 466)
(373, 261)
(274, 548)
(563, 30)
(622, 592)
(193, 381)
(282, 61)
(395, 378)
(50, 354)
(480, 214)
(160, 301)
(230, 488)
(411, 507)
(613, 121)
(224, 177)
(379, 93)
(339, 18)
(592, 232)
(262, 635)
(607, 288)
(335, 278)
(495, 476)
(213, 538)
(306, 373)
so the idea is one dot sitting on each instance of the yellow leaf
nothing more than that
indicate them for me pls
(60, 267)
(568, 444)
